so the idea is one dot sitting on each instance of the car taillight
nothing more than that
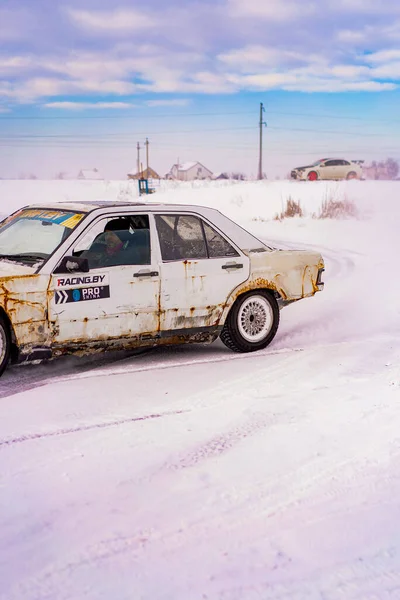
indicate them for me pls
(319, 278)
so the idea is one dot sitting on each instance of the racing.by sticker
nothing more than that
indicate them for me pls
(82, 280)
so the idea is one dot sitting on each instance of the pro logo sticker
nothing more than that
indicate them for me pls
(82, 294)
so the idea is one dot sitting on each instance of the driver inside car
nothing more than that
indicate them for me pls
(107, 248)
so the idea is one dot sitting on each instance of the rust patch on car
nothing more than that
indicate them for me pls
(25, 305)
(261, 284)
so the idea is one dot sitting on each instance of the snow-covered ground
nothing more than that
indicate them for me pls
(192, 472)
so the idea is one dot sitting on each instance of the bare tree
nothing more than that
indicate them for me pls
(392, 168)
(238, 176)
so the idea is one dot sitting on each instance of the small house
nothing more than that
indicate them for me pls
(145, 174)
(189, 171)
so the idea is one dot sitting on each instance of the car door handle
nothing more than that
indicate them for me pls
(232, 265)
(146, 273)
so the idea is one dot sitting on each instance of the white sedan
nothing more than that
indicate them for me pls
(329, 168)
(86, 277)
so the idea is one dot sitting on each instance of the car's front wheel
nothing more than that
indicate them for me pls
(312, 176)
(5, 344)
(252, 322)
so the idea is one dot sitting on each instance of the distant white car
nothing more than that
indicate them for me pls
(89, 276)
(329, 168)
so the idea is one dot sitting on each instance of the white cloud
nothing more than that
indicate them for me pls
(371, 36)
(264, 81)
(101, 66)
(271, 10)
(41, 87)
(254, 57)
(89, 105)
(388, 7)
(350, 36)
(306, 80)
(173, 102)
(382, 56)
(110, 22)
(206, 82)
(110, 86)
(389, 71)
(350, 71)
(14, 63)
(334, 86)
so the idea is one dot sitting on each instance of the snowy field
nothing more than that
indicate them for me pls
(193, 473)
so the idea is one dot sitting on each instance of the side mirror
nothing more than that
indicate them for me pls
(72, 264)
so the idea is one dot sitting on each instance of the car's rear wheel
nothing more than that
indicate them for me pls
(312, 176)
(352, 175)
(252, 322)
(5, 344)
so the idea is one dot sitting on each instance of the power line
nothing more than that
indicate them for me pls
(189, 146)
(97, 136)
(337, 116)
(100, 135)
(195, 114)
(125, 117)
(330, 131)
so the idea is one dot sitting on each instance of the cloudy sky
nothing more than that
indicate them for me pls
(81, 82)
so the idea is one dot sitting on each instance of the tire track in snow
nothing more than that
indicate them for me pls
(46, 434)
(220, 444)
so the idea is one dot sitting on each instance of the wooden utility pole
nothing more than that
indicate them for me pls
(138, 158)
(147, 158)
(260, 167)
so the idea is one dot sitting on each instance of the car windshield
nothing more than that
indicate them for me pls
(317, 162)
(32, 235)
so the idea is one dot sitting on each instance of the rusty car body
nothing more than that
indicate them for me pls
(91, 276)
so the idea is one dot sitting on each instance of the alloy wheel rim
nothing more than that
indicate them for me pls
(255, 319)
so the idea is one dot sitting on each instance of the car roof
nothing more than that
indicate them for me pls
(84, 206)
(87, 206)
(241, 237)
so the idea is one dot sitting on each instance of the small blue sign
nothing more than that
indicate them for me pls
(76, 294)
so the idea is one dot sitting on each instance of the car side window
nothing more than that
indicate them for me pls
(181, 237)
(331, 163)
(116, 241)
(217, 245)
(188, 237)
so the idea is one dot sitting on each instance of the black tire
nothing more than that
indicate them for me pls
(352, 175)
(257, 304)
(5, 344)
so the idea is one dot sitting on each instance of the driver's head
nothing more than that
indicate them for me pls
(113, 243)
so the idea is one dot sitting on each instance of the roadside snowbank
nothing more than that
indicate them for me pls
(254, 200)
